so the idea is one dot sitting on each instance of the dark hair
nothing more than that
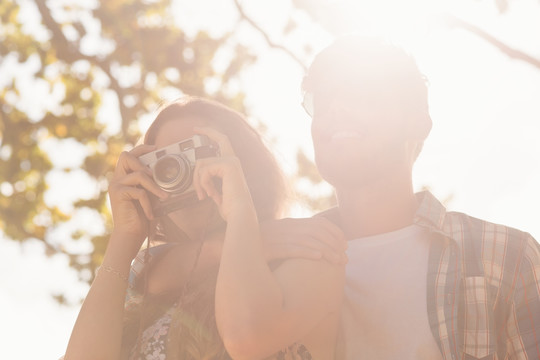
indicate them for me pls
(196, 337)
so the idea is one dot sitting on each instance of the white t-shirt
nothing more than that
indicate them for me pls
(384, 312)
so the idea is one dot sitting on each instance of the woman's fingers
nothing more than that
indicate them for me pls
(205, 185)
(307, 244)
(319, 242)
(204, 175)
(199, 190)
(318, 228)
(327, 232)
(128, 160)
(313, 235)
(131, 172)
(291, 251)
(130, 193)
(222, 179)
(222, 140)
(143, 180)
(142, 149)
(294, 250)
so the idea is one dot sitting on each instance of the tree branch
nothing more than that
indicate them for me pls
(266, 37)
(72, 53)
(510, 52)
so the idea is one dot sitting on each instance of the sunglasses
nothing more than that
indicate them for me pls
(307, 103)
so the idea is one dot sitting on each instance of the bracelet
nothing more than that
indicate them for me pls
(113, 271)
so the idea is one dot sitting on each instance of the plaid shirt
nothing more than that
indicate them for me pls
(483, 286)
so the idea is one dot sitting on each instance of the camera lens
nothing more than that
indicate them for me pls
(172, 173)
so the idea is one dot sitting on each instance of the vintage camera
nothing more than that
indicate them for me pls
(172, 169)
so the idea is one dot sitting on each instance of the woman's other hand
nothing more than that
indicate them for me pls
(233, 194)
(129, 193)
(307, 238)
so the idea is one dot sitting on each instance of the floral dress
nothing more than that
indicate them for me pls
(153, 345)
(293, 352)
(153, 342)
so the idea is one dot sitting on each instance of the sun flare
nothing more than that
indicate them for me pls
(403, 22)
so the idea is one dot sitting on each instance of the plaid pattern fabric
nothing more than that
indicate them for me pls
(483, 286)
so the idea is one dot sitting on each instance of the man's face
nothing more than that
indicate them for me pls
(359, 134)
(369, 111)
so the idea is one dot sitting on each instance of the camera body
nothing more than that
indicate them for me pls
(172, 168)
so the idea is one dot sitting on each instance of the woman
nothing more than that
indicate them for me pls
(206, 279)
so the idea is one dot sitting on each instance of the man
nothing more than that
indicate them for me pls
(421, 282)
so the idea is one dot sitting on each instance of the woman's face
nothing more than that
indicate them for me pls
(192, 219)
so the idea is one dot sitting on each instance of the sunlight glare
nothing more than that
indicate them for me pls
(406, 23)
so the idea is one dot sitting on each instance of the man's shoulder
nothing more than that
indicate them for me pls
(468, 227)
(492, 243)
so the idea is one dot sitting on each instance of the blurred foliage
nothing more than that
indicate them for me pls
(82, 55)
(121, 58)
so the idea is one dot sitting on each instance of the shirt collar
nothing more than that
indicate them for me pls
(431, 214)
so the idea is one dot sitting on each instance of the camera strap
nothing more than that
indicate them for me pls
(176, 203)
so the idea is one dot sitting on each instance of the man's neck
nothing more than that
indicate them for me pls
(376, 208)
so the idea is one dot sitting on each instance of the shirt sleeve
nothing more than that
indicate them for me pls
(523, 325)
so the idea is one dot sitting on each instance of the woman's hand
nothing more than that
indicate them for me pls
(309, 238)
(129, 192)
(234, 194)
(97, 333)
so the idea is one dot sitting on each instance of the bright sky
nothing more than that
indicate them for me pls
(483, 149)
